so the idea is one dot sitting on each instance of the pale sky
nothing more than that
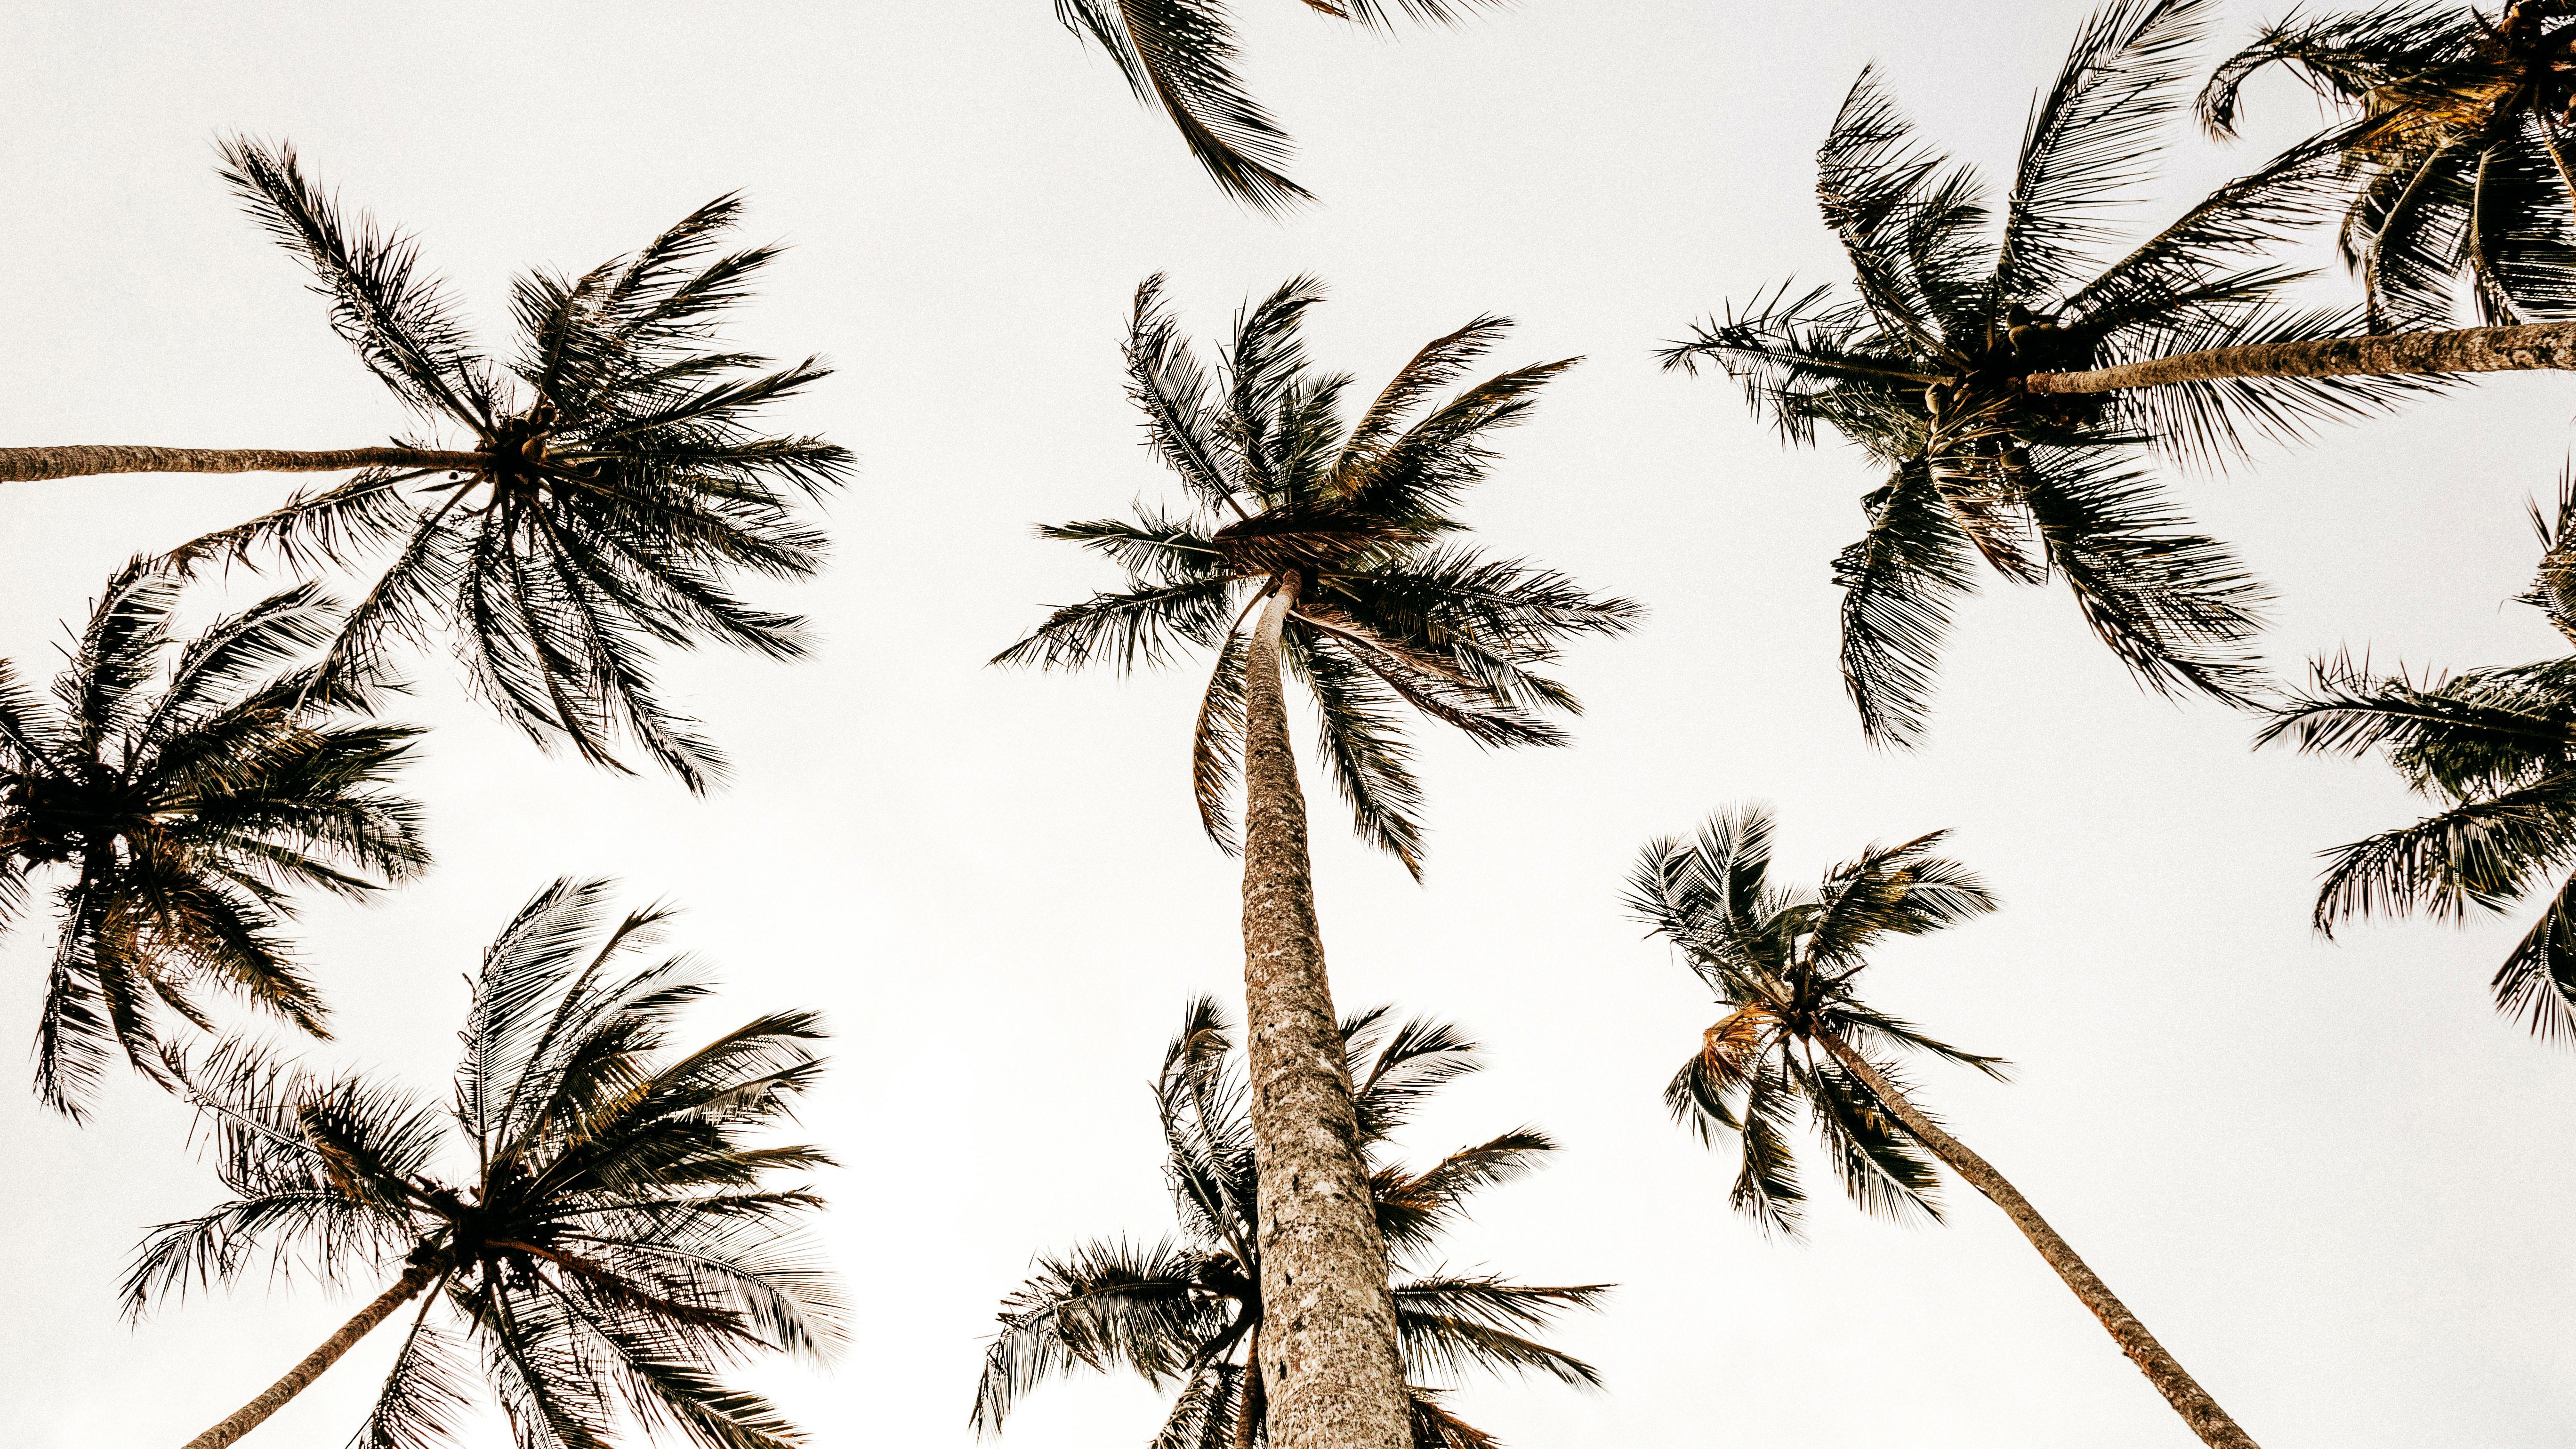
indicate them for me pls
(2328, 1176)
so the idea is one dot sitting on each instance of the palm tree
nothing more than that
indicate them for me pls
(1189, 1312)
(1785, 964)
(613, 482)
(2497, 747)
(1180, 55)
(587, 1209)
(1338, 537)
(1929, 367)
(2455, 152)
(175, 822)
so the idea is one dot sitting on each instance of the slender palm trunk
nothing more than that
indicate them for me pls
(415, 1277)
(1328, 1350)
(2544, 345)
(2191, 1401)
(1248, 1412)
(80, 460)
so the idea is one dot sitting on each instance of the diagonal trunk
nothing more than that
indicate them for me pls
(2541, 346)
(1249, 1408)
(416, 1276)
(1327, 1353)
(80, 460)
(2195, 1405)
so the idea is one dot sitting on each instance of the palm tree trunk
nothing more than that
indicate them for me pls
(80, 460)
(1327, 1350)
(2191, 1401)
(416, 1277)
(1248, 1411)
(2544, 345)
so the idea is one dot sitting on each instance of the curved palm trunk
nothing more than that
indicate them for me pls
(1327, 1352)
(80, 460)
(415, 1277)
(2544, 345)
(2191, 1401)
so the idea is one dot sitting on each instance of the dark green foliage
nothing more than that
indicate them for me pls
(1180, 55)
(602, 1232)
(1786, 963)
(1185, 1312)
(619, 483)
(1389, 616)
(179, 821)
(2455, 151)
(2497, 747)
(1950, 306)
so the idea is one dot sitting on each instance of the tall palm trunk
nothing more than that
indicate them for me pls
(1327, 1351)
(1248, 1411)
(2543, 345)
(416, 1277)
(2191, 1401)
(78, 460)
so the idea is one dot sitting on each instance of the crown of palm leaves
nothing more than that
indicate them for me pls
(594, 1219)
(1952, 305)
(185, 816)
(618, 481)
(1387, 612)
(2455, 161)
(1183, 1311)
(1785, 963)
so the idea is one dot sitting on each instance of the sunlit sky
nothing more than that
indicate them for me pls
(2326, 1174)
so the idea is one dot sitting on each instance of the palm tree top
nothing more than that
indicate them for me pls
(1786, 963)
(588, 1205)
(614, 476)
(1356, 521)
(1185, 1311)
(173, 824)
(2456, 150)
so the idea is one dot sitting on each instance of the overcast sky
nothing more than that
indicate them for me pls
(2327, 1175)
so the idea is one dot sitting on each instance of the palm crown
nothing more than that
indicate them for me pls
(1179, 55)
(2457, 159)
(615, 478)
(2498, 747)
(587, 1211)
(1922, 365)
(183, 817)
(1187, 1312)
(1351, 520)
(1786, 963)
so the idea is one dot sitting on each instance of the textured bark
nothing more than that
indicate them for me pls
(1330, 1367)
(1248, 1411)
(2191, 1401)
(80, 460)
(2546, 345)
(407, 1287)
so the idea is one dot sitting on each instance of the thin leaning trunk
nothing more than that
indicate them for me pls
(2538, 347)
(1327, 1351)
(415, 1277)
(2186, 1395)
(81, 460)
(1249, 1408)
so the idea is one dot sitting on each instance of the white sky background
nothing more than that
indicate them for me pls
(2327, 1176)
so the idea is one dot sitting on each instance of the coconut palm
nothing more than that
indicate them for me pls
(1180, 55)
(2455, 150)
(1785, 964)
(1339, 538)
(2497, 747)
(1188, 1312)
(170, 825)
(588, 1214)
(1927, 367)
(613, 483)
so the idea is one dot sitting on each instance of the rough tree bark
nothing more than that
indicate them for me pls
(79, 460)
(2546, 345)
(2186, 1395)
(416, 1277)
(1330, 1367)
